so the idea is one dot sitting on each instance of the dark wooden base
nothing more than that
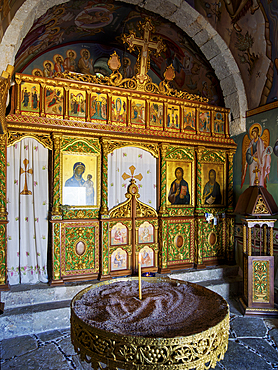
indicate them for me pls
(67, 279)
(4, 287)
(1, 307)
(247, 311)
(200, 266)
(104, 277)
(56, 282)
(164, 271)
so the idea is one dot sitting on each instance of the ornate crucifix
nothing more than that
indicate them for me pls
(144, 45)
(125, 176)
(25, 190)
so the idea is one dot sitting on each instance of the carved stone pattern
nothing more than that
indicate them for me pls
(80, 145)
(180, 153)
(183, 253)
(200, 351)
(143, 210)
(261, 207)
(261, 281)
(56, 252)
(45, 140)
(151, 148)
(2, 254)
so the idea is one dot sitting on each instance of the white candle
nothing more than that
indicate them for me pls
(139, 275)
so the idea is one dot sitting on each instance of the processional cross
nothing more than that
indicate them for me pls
(144, 45)
(25, 190)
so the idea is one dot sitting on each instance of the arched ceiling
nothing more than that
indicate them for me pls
(98, 28)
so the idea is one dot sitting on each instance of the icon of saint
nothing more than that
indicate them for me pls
(212, 193)
(76, 180)
(179, 192)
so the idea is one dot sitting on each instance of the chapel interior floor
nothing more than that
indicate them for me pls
(253, 344)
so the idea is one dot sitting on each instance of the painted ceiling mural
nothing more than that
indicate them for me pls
(80, 36)
(250, 29)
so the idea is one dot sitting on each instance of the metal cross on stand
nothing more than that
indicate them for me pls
(125, 176)
(256, 170)
(25, 190)
(144, 45)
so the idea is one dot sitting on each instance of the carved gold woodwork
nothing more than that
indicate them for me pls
(5, 81)
(45, 140)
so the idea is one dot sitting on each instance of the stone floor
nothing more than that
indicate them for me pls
(253, 344)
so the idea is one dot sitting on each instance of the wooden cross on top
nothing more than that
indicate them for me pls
(144, 45)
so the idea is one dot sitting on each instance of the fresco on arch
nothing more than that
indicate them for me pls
(82, 38)
(249, 28)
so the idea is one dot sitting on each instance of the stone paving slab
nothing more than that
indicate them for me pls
(248, 327)
(46, 357)
(17, 346)
(264, 348)
(238, 358)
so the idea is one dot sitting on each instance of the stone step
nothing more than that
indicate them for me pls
(31, 309)
(210, 273)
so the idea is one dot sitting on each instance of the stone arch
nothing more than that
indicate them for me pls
(177, 11)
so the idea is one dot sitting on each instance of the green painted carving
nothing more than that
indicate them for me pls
(105, 248)
(180, 153)
(74, 261)
(215, 249)
(80, 214)
(260, 281)
(3, 254)
(75, 145)
(178, 249)
(180, 211)
(56, 252)
(209, 155)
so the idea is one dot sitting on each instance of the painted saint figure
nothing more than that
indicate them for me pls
(212, 193)
(256, 153)
(90, 191)
(85, 64)
(179, 192)
(118, 238)
(77, 180)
